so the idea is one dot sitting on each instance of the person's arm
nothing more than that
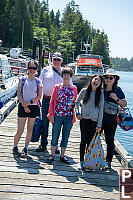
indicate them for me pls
(77, 104)
(100, 116)
(19, 95)
(122, 102)
(119, 97)
(20, 98)
(51, 105)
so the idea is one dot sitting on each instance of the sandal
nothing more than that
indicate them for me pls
(50, 160)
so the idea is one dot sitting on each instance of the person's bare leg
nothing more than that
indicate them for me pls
(21, 125)
(30, 125)
(53, 149)
(62, 152)
(51, 157)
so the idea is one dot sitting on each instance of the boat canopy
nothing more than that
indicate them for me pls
(89, 61)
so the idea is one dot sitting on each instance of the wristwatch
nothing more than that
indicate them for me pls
(117, 100)
(31, 101)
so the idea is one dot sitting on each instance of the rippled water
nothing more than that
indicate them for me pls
(126, 83)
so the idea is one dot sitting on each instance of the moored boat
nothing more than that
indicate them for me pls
(8, 82)
(17, 62)
(86, 66)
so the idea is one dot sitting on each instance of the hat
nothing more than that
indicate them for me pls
(111, 72)
(57, 55)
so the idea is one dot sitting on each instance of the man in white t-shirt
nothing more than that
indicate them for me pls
(50, 76)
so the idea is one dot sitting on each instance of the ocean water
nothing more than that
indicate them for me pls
(126, 84)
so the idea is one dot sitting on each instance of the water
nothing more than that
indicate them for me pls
(126, 137)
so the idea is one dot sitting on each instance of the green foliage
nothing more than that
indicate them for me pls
(41, 33)
(122, 64)
(58, 34)
(67, 45)
(101, 47)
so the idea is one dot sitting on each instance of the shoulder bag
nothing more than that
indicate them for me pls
(124, 119)
(94, 157)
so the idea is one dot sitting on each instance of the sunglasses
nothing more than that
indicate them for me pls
(109, 77)
(56, 59)
(32, 67)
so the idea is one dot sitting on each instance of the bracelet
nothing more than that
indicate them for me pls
(31, 101)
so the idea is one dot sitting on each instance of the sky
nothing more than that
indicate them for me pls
(115, 17)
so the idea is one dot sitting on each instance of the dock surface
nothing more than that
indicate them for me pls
(34, 179)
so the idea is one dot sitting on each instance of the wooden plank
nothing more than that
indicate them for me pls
(125, 158)
(33, 178)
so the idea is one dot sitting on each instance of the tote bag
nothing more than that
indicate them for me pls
(124, 119)
(37, 130)
(94, 157)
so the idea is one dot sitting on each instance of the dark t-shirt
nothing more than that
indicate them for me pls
(119, 93)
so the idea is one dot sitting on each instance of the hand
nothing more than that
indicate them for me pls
(51, 120)
(79, 117)
(27, 110)
(25, 104)
(98, 129)
(113, 96)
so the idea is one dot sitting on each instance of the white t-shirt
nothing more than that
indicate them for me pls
(49, 79)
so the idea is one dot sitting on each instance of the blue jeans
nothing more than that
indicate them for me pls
(59, 121)
(45, 108)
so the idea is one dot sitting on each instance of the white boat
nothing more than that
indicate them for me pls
(8, 82)
(18, 62)
(86, 66)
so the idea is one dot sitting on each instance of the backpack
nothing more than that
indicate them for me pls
(37, 130)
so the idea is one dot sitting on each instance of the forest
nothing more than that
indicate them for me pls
(63, 33)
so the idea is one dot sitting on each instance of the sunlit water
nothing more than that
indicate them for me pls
(126, 83)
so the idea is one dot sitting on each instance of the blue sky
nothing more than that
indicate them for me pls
(113, 16)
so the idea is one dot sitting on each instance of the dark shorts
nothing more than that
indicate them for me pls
(35, 111)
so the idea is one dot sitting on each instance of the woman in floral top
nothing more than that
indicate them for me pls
(61, 113)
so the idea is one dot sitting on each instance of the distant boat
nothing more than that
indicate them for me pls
(8, 82)
(18, 62)
(85, 67)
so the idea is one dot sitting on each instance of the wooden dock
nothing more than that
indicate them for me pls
(34, 179)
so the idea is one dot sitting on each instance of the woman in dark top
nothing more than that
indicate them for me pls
(113, 96)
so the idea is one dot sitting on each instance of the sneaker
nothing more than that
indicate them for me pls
(107, 165)
(24, 153)
(40, 148)
(80, 165)
(16, 152)
(64, 160)
(57, 151)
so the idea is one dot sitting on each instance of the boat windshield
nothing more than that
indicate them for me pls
(89, 69)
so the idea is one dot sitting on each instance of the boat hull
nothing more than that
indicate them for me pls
(6, 95)
(81, 81)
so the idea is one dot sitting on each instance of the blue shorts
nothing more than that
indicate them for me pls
(35, 111)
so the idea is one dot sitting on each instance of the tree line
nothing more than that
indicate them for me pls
(122, 64)
(63, 33)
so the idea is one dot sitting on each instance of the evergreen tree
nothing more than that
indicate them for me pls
(57, 19)
(101, 47)
(23, 15)
(68, 46)
(2, 19)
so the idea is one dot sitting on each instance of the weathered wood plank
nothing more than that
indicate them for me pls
(33, 178)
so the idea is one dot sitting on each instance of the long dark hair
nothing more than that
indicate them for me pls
(89, 89)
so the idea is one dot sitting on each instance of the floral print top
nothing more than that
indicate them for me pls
(65, 97)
